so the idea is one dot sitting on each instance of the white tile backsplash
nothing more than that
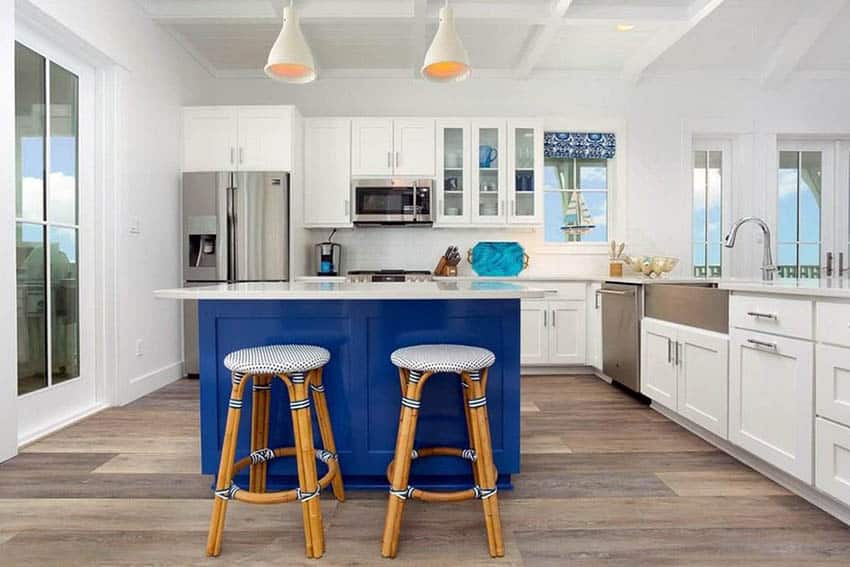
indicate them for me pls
(414, 248)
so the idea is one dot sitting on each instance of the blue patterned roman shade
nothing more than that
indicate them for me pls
(587, 145)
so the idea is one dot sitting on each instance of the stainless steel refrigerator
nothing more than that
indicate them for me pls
(235, 229)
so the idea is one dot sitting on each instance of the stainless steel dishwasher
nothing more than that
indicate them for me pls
(622, 310)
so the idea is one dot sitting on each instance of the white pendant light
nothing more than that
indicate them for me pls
(446, 59)
(290, 59)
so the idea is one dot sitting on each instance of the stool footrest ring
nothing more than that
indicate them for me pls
(234, 492)
(430, 496)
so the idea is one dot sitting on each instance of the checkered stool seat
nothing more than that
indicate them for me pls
(277, 359)
(443, 358)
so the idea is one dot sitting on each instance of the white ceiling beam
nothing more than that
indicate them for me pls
(627, 12)
(418, 41)
(664, 40)
(268, 11)
(543, 39)
(798, 40)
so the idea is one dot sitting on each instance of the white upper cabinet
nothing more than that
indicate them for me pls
(489, 171)
(525, 168)
(454, 160)
(245, 138)
(414, 147)
(327, 172)
(372, 146)
(210, 138)
(383, 146)
(771, 391)
(265, 138)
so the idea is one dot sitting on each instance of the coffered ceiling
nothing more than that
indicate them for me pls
(768, 39)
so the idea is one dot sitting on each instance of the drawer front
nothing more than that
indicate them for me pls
(833, 323)
(832, 388)
(832, 459)
(770, 314)
(561, 290)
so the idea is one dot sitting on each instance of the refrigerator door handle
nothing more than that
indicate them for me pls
(231, 234)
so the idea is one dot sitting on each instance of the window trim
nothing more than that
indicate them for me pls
(725, 147)
(600, 248)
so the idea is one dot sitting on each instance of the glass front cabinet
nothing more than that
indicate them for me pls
(489, 172)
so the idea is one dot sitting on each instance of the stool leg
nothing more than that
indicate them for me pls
(324, 418)
(466, 398)
(225, 467)
(260, 430)
(401, 467)
(486, 468)
(306, 456)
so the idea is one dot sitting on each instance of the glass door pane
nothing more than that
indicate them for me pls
(799, 213)
(62, 185)
(453, 172)
(64, 305)
(524, 172)
(30, 85)
(488, 172)
(32, 306)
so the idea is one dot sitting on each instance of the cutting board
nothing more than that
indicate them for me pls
(499, 259)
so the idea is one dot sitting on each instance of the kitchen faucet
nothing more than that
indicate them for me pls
(767, 265)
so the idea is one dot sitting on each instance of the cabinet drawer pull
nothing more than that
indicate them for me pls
(758, 315)
(553, 319)
(669, 351)
(762, 344)
(678, 360)
(545, 318)
(389, 159)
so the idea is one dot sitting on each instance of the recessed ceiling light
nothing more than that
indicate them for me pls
(625, 27)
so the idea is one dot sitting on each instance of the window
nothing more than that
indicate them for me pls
(800, 192)
(708, 189)
(575, 186)
(46, 190)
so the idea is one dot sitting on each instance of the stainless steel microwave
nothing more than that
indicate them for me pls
(393, 201)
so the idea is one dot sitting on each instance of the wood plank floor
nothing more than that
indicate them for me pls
(605, 481)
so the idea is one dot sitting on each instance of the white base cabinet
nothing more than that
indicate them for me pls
(685, 370)
(554, 330)
(771, 390)
(832, 461)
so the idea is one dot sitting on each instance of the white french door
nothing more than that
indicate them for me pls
(54, 143)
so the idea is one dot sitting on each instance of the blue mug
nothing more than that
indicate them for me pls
(486, 155)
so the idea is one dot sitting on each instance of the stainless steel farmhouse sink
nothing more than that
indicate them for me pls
(695, 304)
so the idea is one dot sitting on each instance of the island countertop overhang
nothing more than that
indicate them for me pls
(438, 290)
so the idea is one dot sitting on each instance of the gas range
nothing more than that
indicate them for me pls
(363, 276)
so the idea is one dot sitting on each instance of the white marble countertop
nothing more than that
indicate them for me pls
(461, 289)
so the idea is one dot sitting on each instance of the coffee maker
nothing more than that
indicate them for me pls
(328, 256)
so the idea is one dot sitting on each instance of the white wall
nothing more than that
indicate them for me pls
(144, 78)
(659, 116)
(8, 370)
(155, 78)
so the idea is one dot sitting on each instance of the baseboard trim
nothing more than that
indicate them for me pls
(54, 427)
(556, 370)
(795, 485)
(150, 382)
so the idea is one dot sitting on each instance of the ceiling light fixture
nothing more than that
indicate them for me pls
(625, 27)
(290, 59)
(446, 59)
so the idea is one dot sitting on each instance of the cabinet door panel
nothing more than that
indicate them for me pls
(453, 172)
(771, 399)
(832, 463)
(525, 171)
(567, 332)
(489, 156)
(265, 138)
(209, 138)
(833, 383)
(327, 200)
(703, 379)
(414, 146)
(534, 332)
(658, 362)
(371, 146)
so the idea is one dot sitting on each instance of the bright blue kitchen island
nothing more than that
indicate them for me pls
(361, 324)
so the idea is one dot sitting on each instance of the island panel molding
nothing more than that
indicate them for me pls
(362, 383)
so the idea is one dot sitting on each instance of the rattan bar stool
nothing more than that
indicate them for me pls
(416, 365)
(300, 368)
